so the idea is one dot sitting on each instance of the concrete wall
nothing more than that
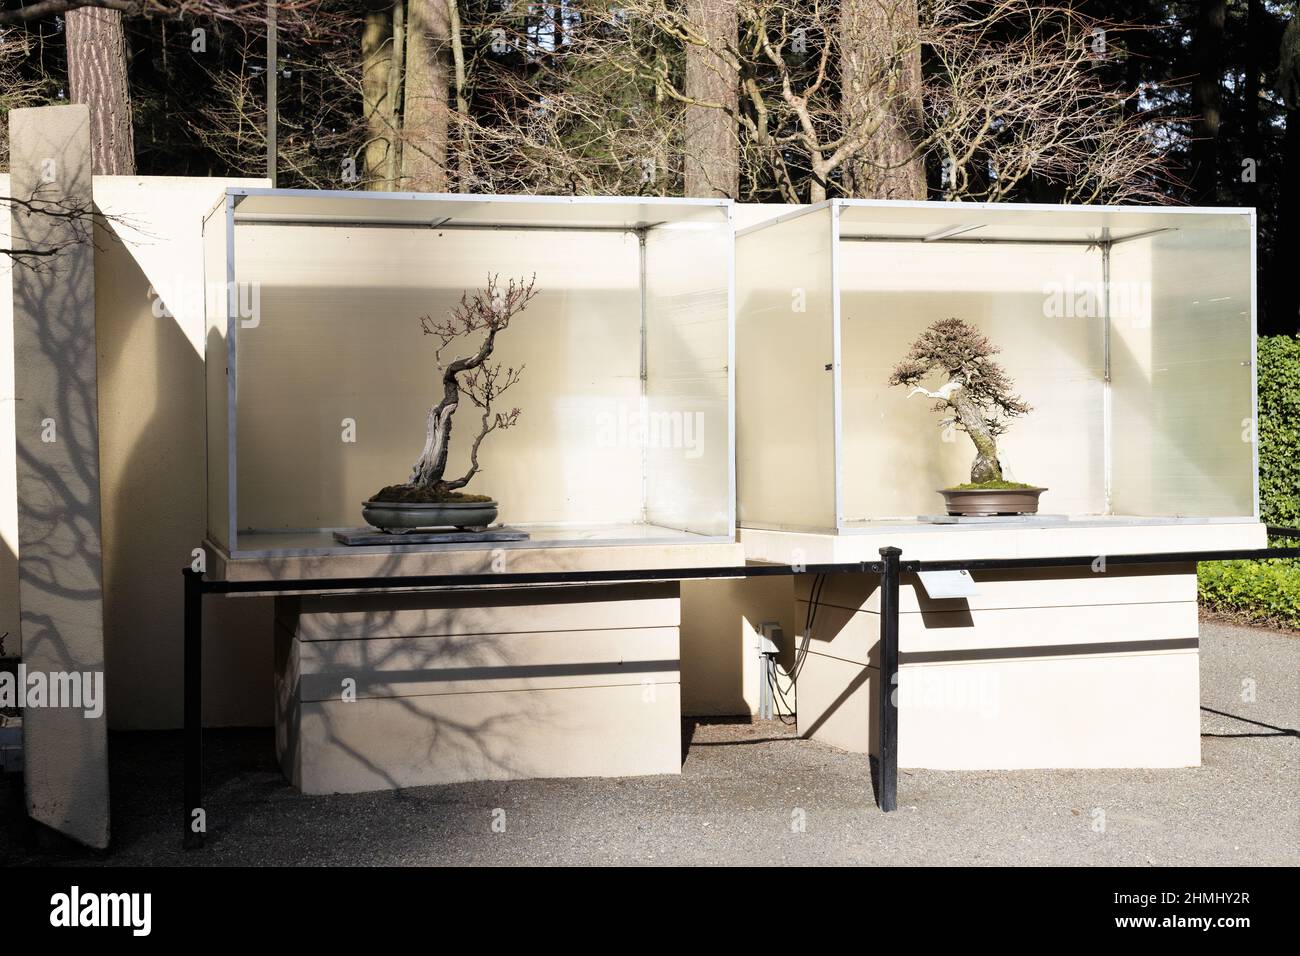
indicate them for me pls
(56, 429)
(151, 456)
(8, 480)
(151, 396)
(721, 621)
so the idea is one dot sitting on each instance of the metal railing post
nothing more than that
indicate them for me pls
(888, 652)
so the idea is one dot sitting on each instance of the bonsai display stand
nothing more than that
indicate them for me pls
(372, 536)
(1034, 519)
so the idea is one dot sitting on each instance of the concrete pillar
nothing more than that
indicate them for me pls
(57, 445)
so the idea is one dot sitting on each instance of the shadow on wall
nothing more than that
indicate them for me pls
(8, 505)
(396, 690)
(9, 629)
(57, 457)
(465, 742)
(153, 427)
(832, 632)
(720, 672)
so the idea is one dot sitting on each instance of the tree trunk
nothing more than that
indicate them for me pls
(97, 78)
(430, 467)
(880, 92)
(1207, 99)
(426, 113)
(464, 170)
(396, 78)
(711, 160)
(376, 75)
(986, 466)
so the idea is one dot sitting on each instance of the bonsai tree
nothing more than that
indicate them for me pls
(487, 311)
(976, 396)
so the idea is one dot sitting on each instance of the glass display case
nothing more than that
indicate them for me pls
(1130, 332)
(320, 379)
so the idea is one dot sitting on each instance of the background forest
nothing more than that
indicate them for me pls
(1168, 101)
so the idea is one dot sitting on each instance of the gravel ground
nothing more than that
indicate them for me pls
(743, 787)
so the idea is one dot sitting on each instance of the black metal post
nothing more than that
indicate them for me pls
(888, 759)
(195, 824)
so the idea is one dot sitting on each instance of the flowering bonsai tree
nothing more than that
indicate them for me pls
(474, 377)
(976, 395)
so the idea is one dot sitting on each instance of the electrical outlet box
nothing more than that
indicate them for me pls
(770, 636)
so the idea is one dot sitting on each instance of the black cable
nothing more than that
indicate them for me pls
(790, 711)
(800, 654)
(814, 602)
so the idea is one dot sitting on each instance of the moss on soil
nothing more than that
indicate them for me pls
(991, 486)
(414, 494)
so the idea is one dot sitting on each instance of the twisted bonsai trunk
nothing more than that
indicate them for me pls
(475, 378)
(986, 466)
(430, 466)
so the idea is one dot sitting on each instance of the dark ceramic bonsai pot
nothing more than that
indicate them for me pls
(399, 517)
(987, 502)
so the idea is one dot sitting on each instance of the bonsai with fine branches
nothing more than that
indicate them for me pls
(976, 395)
(474, 377)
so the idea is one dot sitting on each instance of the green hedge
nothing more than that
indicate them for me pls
(1268, 592)
(1279, 430)
(1265, 592)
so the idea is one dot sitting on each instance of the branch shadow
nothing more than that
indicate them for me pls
(58, 483)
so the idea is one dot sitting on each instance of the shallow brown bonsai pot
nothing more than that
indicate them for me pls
(988, 502)
(399, 517)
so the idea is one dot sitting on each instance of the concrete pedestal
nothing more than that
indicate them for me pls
(1051, 669)
(382, 690)
(1047, 668)
(385, 691)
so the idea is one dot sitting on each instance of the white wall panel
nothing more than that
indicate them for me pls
(785, 444)
(1182, 350)
(686, 426)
